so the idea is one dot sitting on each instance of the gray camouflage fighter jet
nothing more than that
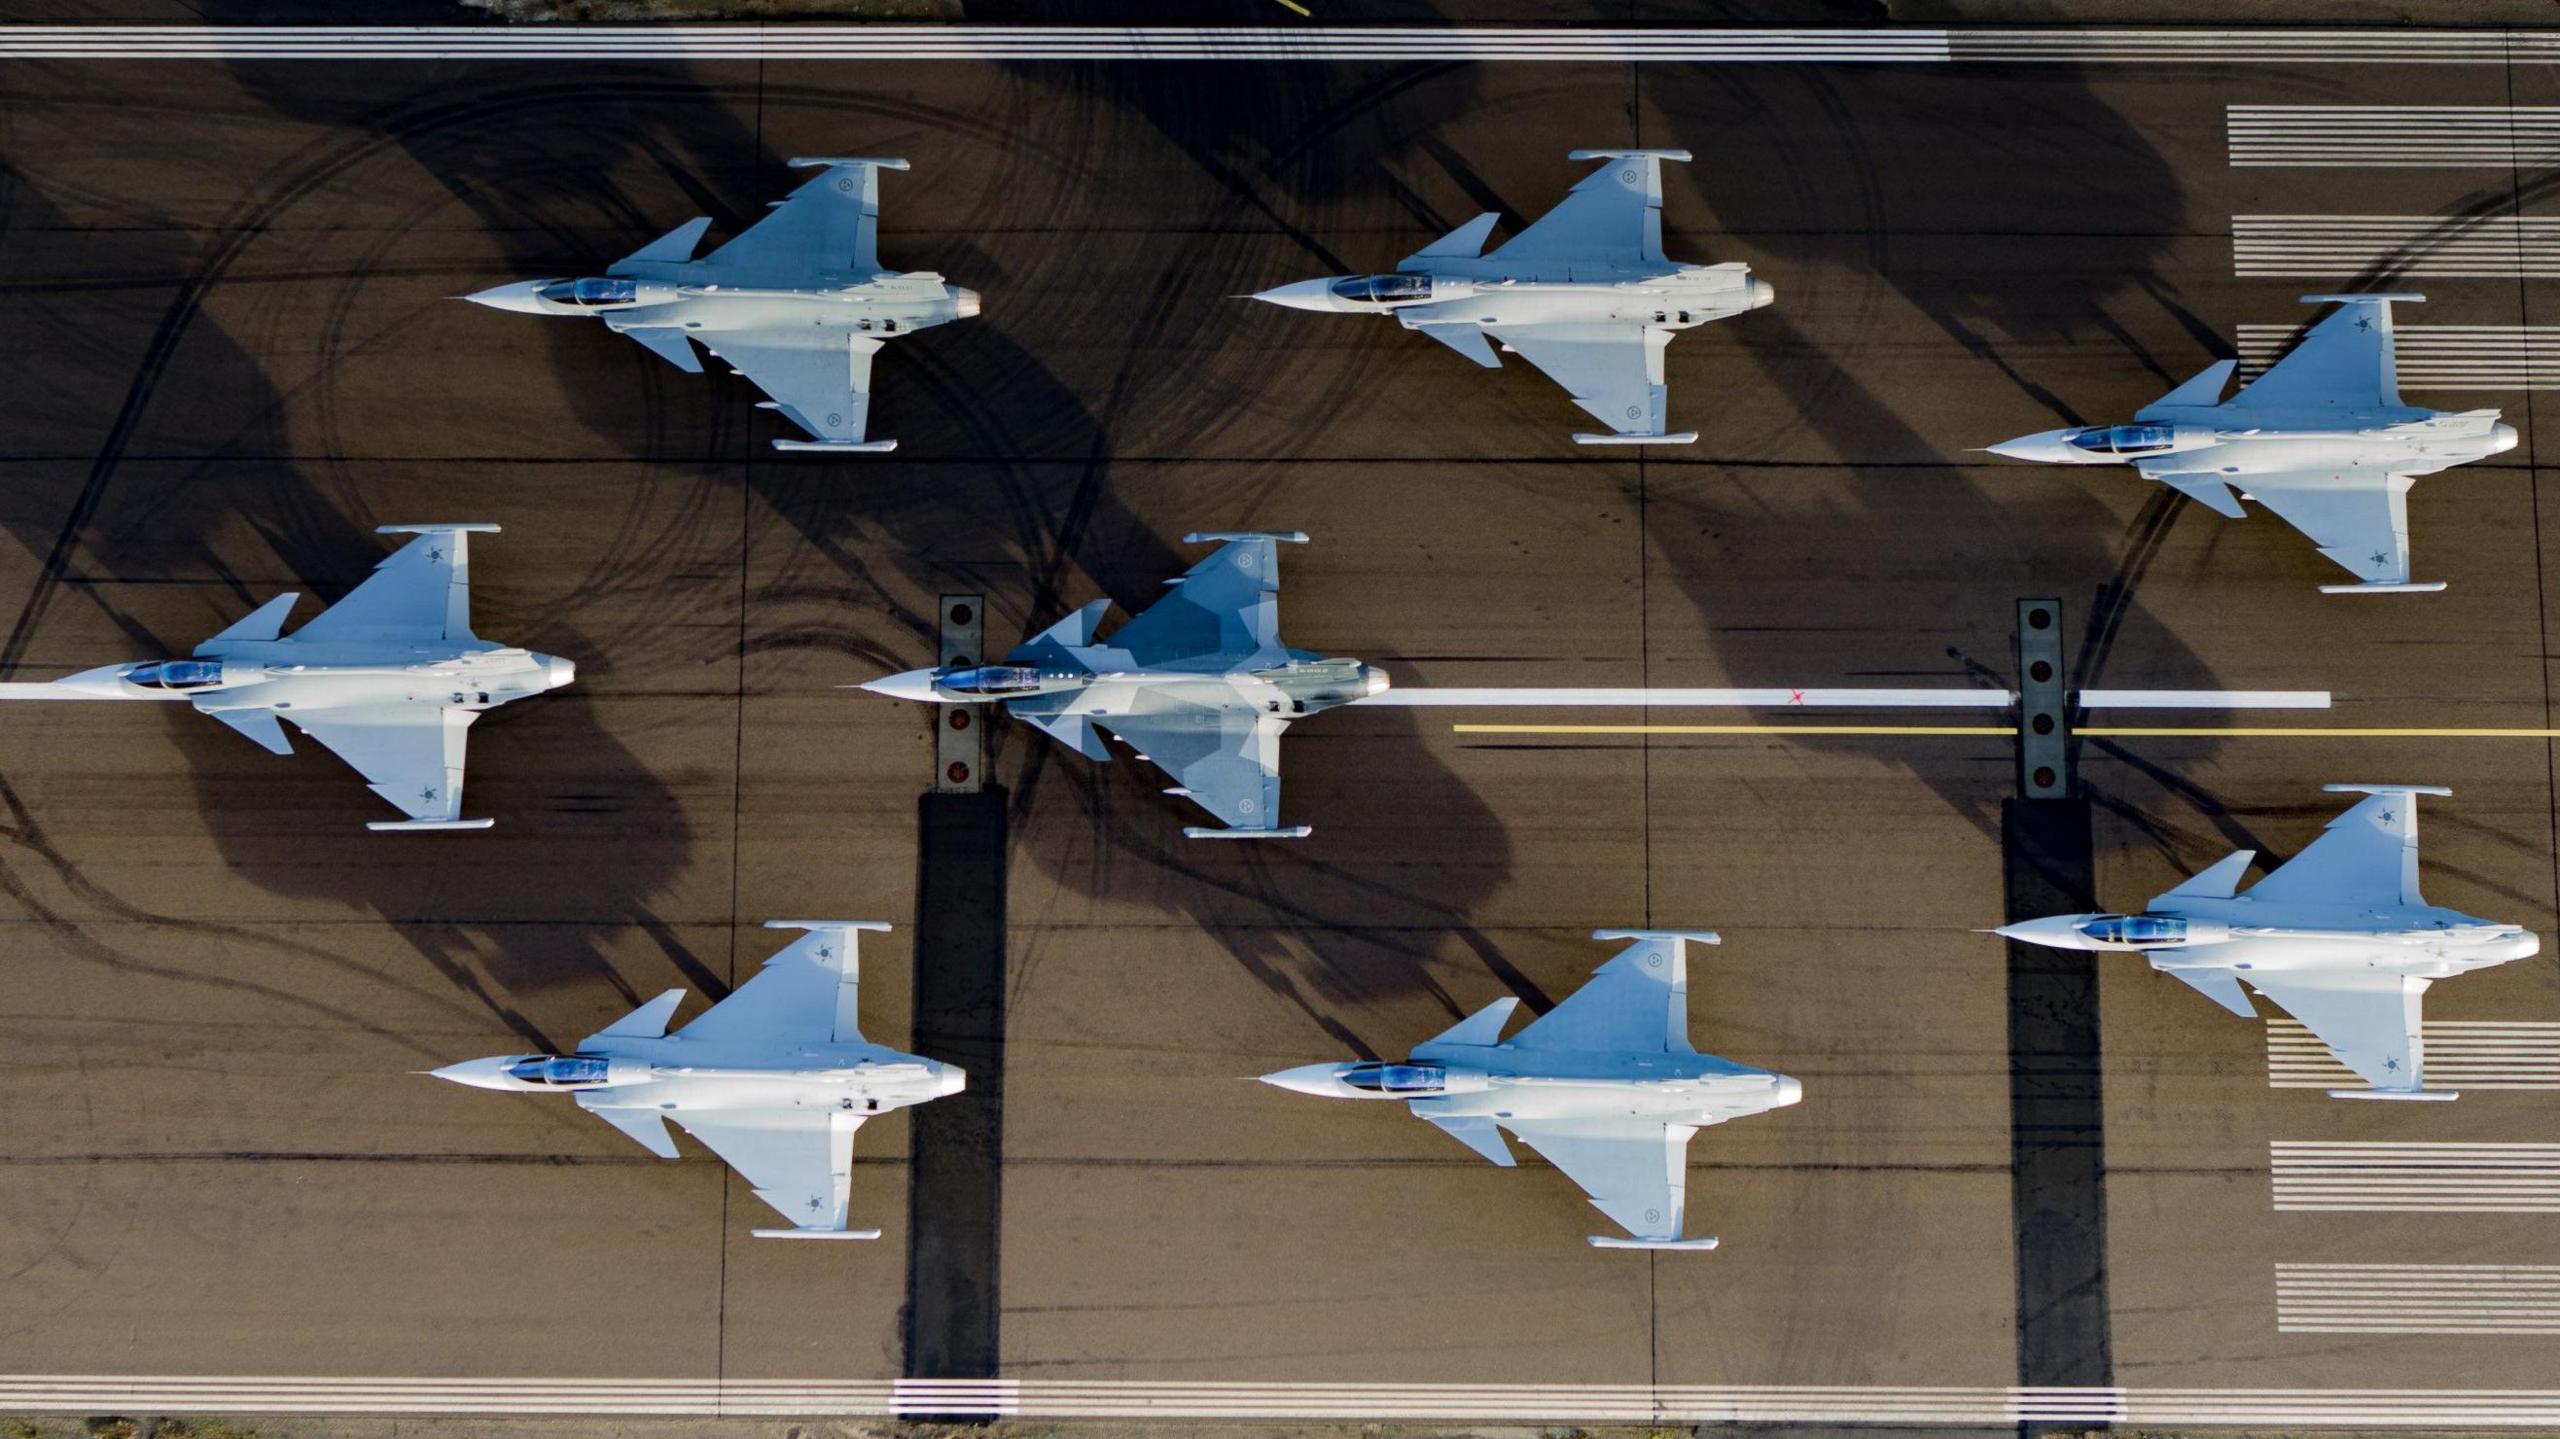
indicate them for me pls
(2339, 938)
(798, 304)
(775, 1078)
(1200, 684)
(1584, 294)
(2322, 439)
(390, 678)
(1606, 1085)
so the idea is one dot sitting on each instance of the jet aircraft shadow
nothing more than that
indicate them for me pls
(190, 474)
(1830, 164)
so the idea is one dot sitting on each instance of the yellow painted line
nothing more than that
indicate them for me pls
(1301, 9)
(1994, 731)
(1990, 731)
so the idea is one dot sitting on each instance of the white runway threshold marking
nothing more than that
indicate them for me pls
(2438, 357)
(2396, 136)
(2416, 1178)
(2505, 247)
(1309, 43)
(2481, 1299)
(1135, 1399)
(2460, 1054)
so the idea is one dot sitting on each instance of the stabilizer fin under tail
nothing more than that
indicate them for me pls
(2221, 986)
(2202, 392)
(2211, 491)
(2218, 880)
(1467, 340)
(1482, 1028)
(668, 343)
(1463, 243)
(259, 626)
(1479, 1134)
(1074, 731)
(649, 1021)
(675, 247)
(261, 726)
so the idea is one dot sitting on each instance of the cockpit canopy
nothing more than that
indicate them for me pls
(590, 292)
(2136, 929)
(544, 1069)
(1397, 1078)
(176, 675)
(2126, 439)
(991, 680)
(1382, 289)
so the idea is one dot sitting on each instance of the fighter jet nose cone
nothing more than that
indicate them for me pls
(2058, 932)
(2502, 438)
(1762, 292)
(1789, 1091)
(965, 303)
(1308, 1079)
(2045, 447)
(478, 1073)
(557, 671)
(1304, 295)
(912, 685)
(1373, 681)
(519, 297)
(950, 1080)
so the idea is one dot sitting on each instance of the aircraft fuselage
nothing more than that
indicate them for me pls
(2235, 447)
(884, 307)
(2420, 942)
(475, 679)
(862, 1079)
(1672, 1088)
(1667, 298)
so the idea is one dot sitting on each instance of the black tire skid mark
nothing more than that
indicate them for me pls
(314, 166)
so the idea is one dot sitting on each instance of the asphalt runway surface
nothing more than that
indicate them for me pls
(230, 352)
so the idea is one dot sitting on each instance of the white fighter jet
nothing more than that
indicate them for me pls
(798, 304)
(1606, 1085)
(775, 1078)
(1584, 294)
(2322, 439)
(390, 677)
(1200, 684)
(2339, 938)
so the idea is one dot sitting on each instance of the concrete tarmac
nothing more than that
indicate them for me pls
(232, 351)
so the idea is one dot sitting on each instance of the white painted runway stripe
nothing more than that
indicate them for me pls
(2393, 136)
(1137, 1399)
(2460, 1054)
(2348, 246)
(2439, 357)
(1942, 697)
(2436, 1178)
(1005, 42)
(2482, 1299)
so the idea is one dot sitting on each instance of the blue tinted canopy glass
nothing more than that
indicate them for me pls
(177, 674)
(1378, 289)
(991, 680)
(2136, 929)
(541, 1069)
(591, 292)
(1397, 1078)
(2125, 439)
